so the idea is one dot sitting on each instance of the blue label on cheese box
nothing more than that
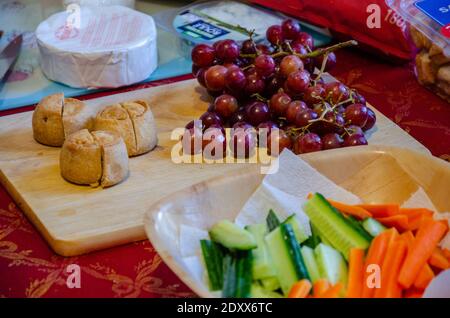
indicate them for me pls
(438, 10)
(203, 29)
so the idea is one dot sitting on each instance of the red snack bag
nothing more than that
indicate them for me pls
(371, 22)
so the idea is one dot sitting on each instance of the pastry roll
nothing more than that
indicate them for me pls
(133, 121)
(97, 158)
(114, 157)
(115, 118)
(47, 121)
(80, 159)
(144, 125)
(76, 116)
(56, 117)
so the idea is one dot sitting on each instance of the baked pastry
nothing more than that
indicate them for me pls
(114, 157)
(133, 121)
(56, 117)
(144, 125)
(97, 158)
(47, 120)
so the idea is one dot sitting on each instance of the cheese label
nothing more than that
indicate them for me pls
(438, 10)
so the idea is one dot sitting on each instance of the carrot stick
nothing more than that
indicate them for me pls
(438, 259)
(415, 221)
(413, 212)
(355, 273)
(381, 210)
(300, 289)
(333, 291)
(395, 254)
(413, 293)
(393, 288)
(320, 286)
(375, 256)
(399, 221)
(353, 210)
(408, 236)
(424, 278)
(427, 238)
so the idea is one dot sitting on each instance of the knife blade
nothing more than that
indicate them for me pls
(9, 55)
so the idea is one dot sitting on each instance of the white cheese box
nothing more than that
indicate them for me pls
(98, 47)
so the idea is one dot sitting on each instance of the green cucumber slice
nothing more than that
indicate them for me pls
(334, 226)
(213, 258)
(231, 236)
(332, 265)
(311, 263)
(299, 231)
(262, 263)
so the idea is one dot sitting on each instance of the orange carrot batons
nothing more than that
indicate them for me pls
(355, 273)
(427, 238)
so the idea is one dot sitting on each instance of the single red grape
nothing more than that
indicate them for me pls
(304, 117)
(209, 118)
(263, 49)
(243, 142)
(356, 114)
(248, 47)
(314, 94)
(279, 103)
(305, 39)
(227, 50)
(309, 142)
(332, 141)
(225, 105)
(255, 85)
(235, 80)
(291, 29)
(273, 85)
(214, 143)
(264, 65)
(294, 108)
(371, 119)
(268, 126)
(215, 77)
(290, 64)
(274, 34)
(203, 55)
(355, 140)
(257, 113)
(201, 76)
(277, 141)
(336, 92)
(298, 81)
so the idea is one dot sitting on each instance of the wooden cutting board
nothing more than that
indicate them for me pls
(77, 219)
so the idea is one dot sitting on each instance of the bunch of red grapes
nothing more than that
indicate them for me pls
(274, 86)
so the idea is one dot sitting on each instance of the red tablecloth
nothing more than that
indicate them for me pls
(28, 268)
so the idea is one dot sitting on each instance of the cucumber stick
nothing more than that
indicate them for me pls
(322, 238)
(259, 292)
(331, 264)
(237, 269)
(299, 230)
(286, 256)
(314, 239)
(334, 226)
(357, 225)
(262, 263)
(372, 226)
(232, 236)
(310, 263)
(213, 257)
